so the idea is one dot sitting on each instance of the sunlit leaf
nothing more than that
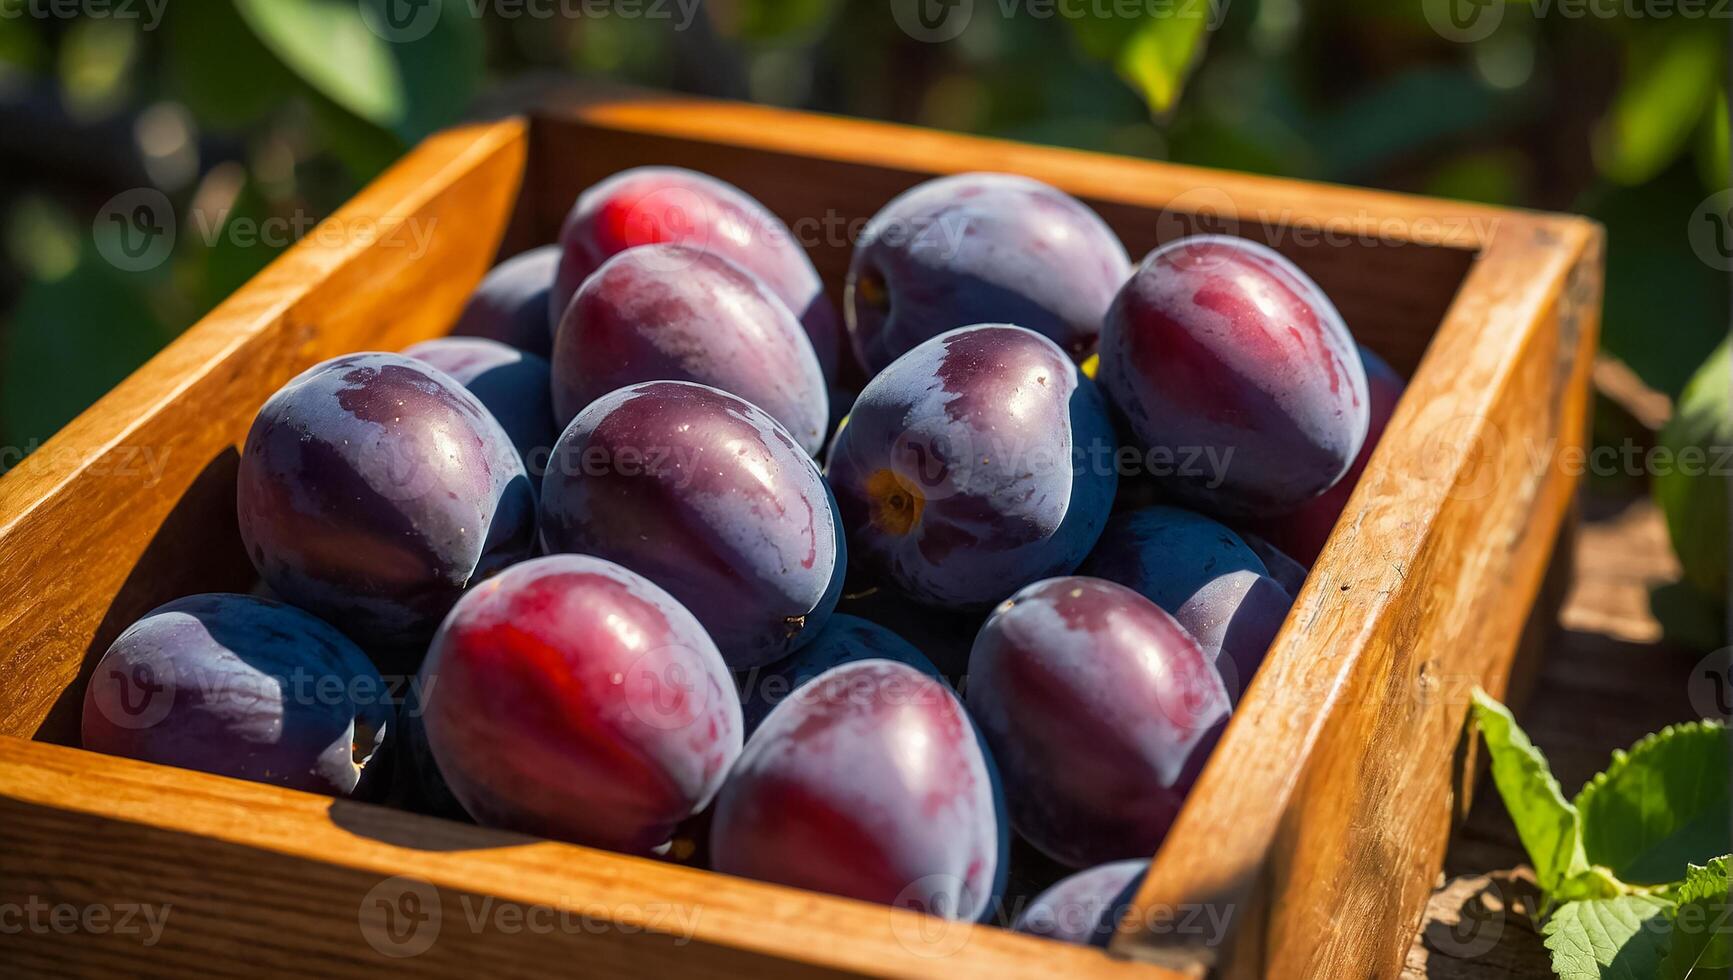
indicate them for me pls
(1670, 79)
(328, 45)
(1160, 54)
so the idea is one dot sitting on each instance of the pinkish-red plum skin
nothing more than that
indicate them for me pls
(1221, 349)
(1302, 533)
(670, 312)
(1099, 709)
(870, 785)
(672, 205)
(570, 698)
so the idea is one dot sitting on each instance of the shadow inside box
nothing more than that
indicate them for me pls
(196, 549)
(405, 828)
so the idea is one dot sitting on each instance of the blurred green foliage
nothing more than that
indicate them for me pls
(243, 110)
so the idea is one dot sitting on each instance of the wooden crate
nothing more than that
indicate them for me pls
(1317, 829)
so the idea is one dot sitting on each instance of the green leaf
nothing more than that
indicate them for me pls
(1669, 81)
(1160, 53)
(1659, 806)
(1700, 923)
(441, 71)
(332, 49)
(219, 68)
(1545, 821)
(1694, 500)
(1608, 939)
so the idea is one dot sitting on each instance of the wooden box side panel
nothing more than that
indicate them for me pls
(133, 502)
(1391, 263)
(1322, 816)
(239, 872)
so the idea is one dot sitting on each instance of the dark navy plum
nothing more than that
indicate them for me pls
(979, 462)
(244, 687)
(1168, 553)
(981, 248)
(374, 489)
(511, 384)
(669, 205)
(872, 786)
(1234, 617)
(669, 312)
(1288, 573)
(511, 304)
(1100, 710)
(844, 640)
(570, 698)
(1221, 351)
(1084, 908)
(1303, 532)
(419, 785)
(704, 494)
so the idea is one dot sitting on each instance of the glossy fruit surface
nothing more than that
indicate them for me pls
(981, 248)
(511, 384)
(570, 698)
(844, 640)
(1303, 532)
(978, 462)
(669, 205)
(1167, 553)
(874, 788)
(511, 304)
(373, 489)
(243, 687)
(1084, 908)
(1099, 709)
(674, 313)
(1234, 617)
(705, 495)
(1288, 573)
(1221, 351)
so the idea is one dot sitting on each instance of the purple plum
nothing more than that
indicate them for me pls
(704, 494)
(510, 383)
(244, 687)
(978, 462)
(1221, 349)
(980, 248)
(871, 786)
(669, 312)
(1084, 908)
(570, 698)
(1100, 710)
(511, 304)
(669, 205)
(373, 489)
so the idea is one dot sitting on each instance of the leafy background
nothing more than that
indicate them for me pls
(260, 108)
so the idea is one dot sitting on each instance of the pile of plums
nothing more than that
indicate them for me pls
(652, 592)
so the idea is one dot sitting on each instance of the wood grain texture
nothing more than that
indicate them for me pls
(133, 502)
(1322, 816)
(258, 878)
(1331, 786)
